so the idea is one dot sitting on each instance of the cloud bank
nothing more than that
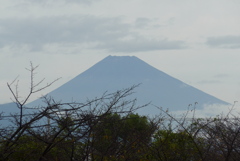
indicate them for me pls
(229, 41)
(96, 32)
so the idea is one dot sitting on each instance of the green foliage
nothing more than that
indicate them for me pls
(170, 146)
(112, 136)
(122, 137)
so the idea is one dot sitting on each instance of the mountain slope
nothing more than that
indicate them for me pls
(118, 72)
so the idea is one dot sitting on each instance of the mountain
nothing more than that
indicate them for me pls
(118, 72)
(8, 108)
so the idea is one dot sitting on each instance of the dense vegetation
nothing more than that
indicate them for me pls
(108, 128)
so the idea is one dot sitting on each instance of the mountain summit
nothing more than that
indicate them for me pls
(118, 72)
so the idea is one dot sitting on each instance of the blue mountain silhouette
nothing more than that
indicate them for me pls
(118, 72)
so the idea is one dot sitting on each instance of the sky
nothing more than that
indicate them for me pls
(197, 42)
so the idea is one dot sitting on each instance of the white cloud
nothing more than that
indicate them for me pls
(212, 110)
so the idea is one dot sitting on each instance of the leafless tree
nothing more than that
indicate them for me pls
(58, 127)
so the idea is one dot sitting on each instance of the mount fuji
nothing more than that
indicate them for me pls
(118, 72)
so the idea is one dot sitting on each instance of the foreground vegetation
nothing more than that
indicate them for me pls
(108, 128)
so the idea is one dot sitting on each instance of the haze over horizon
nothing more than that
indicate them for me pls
(196, 42)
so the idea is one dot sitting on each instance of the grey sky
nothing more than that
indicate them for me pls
(195, 41)
(106, 33)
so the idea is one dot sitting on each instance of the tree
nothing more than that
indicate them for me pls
(107, 128)
(118, 137)
(58, 130)
(170, 146)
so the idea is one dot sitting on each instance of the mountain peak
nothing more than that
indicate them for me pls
(121, 58)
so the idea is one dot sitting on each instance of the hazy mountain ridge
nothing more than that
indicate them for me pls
(118, 72)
